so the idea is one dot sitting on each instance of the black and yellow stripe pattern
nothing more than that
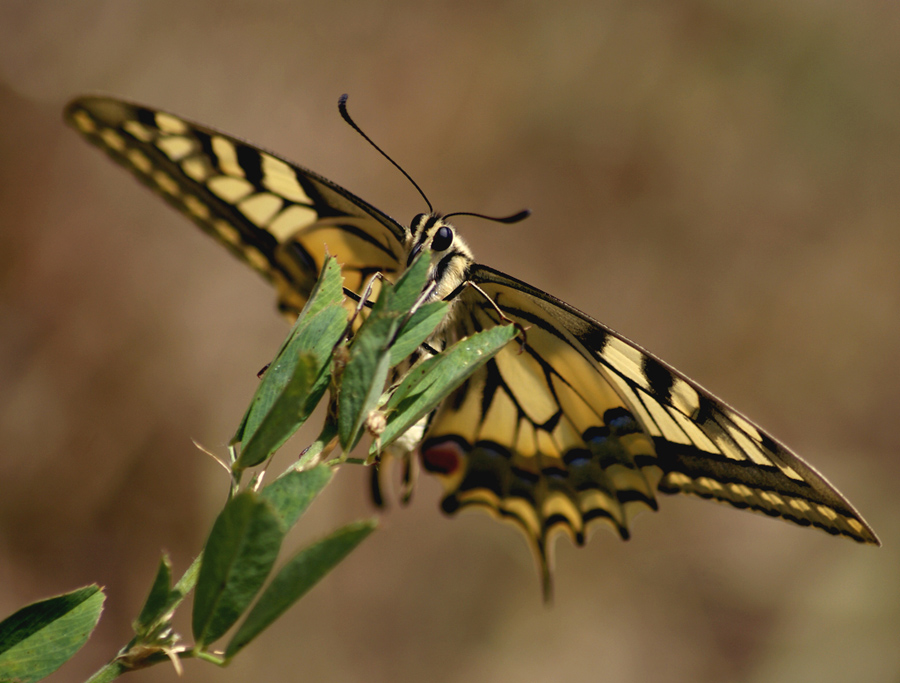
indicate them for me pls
(275, 216)
(583, 427)
(577, 428)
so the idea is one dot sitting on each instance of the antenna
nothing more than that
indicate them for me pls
(515, 218)
(342, 107)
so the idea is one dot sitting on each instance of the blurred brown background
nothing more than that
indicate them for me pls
(718, 181)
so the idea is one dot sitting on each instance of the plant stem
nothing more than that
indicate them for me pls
(108, 672)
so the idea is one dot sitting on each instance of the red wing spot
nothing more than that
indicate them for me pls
(442, 457)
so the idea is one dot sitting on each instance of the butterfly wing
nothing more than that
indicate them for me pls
(278, 217)
(581, 426)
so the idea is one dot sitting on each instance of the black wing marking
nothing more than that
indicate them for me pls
(278, 217)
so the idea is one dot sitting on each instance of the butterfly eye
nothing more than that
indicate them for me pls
(416, 220)
(443, 238)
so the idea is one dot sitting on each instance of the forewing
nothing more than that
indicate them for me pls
(581, 424)
(278, 217)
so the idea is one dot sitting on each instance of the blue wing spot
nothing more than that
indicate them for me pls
(620, 421)
(577, 457)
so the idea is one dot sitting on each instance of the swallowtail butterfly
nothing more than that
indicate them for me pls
(577, 427)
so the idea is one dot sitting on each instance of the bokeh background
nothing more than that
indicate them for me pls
(718, 181)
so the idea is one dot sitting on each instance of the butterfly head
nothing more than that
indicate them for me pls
(433, 236)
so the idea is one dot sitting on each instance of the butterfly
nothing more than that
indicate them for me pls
(572, 428)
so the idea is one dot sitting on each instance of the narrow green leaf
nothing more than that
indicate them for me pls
(363, 380)
(329, 288)
(300, 574)
(294, 490)
(159, 600)
(316, 331)
(327, 292)
(419, 327)
(313, 453)
(41, 637)
(362, 384)
(316, 338)
(321, 341)
(188, 580)
(409, 287)
(283, 417)
(238, 556)
(430, 382)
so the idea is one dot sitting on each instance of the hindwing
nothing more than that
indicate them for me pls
(278, 217)
(581, 426)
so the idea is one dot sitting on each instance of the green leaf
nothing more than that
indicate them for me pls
(317, 330)
(364, 378)
(300, 574)
(328, 291)
(321, 339)
(188, 580)
(417, 329)
(160, 599)
(239, 554)
(294, 490)
(313, 453)
(408, 288)
(430, 382)
(284, 417)
(39, 638)
(315, 340)
(329, 288)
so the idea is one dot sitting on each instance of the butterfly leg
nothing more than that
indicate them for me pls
(523, 335)
(364, 300)
(381, 467)
(423, 297)
(410, 473)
